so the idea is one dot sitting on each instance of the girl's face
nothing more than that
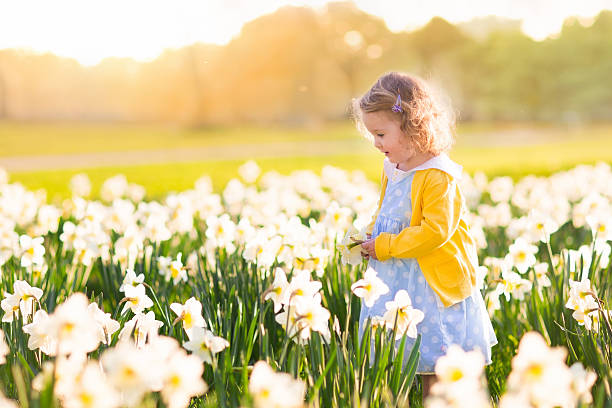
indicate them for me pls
(389, 137)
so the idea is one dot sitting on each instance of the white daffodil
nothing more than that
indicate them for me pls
(205, 344)
(182, 380)
(143, 328)
(276, 291)
(244, 231)
(581, 296)
(32, 250)
(459, 366)
(22, 300)
(155, 228)
(130, 371)
(337, 218)
(69, 235)
(513, 285)
(600, 223)
(40, 337)
(400, 314)
(540, 226)
(539, 372)
(163, 266)
(370, 288)
(131, 279)
(177, 271)
(459, 377)
(582, 382)
(522, 255)
(221, 230)
(64, 370)
(317, 260)
(312, 316)
(300, 288)
(190, 314)
(73, 327)
(91, 390)
(10, 305)
(267, 253)
(106, 325)
(288, 319)
(278, 390)
(541, 273)
(500, 189)
(136, 299)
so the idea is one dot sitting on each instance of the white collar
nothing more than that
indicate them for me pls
(440, 162)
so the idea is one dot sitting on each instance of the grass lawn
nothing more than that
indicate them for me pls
(27, 139)
(502, 149)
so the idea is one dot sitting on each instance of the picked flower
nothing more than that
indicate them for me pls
(350, 246)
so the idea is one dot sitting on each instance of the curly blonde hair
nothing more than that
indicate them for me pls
(429, 125)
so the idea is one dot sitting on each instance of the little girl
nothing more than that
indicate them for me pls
(419, 239)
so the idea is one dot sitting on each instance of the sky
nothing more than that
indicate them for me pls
(91, 30)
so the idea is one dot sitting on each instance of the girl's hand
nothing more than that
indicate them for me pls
(368, 249)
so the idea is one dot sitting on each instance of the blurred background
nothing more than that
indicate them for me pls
(164, 92)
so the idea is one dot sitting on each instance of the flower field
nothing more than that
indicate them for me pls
(251, 297)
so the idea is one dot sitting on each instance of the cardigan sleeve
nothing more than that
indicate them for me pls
(441, 212)
(370, 227)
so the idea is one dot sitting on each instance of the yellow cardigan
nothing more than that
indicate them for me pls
(438, 236)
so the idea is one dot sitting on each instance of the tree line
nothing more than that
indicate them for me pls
(298, 66)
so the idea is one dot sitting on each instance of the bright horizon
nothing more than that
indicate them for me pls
(90, 31)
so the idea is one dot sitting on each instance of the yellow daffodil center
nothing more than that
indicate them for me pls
(534, 371)
(188, 320)
(128, 373)
(175, 380)
(86, 399)
(67, 329)
(456, 374)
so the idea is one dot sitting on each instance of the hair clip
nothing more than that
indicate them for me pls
(398, 104)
